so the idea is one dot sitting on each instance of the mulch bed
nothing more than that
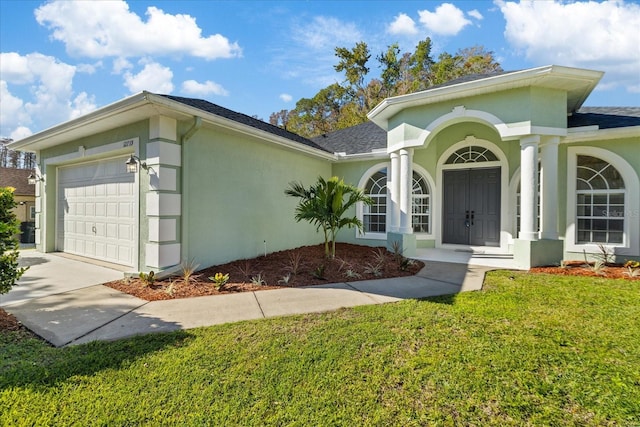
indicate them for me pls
(578, 268)
(273, 268)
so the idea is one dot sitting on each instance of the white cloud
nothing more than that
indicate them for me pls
(120, 64)
(447, 20)
(20, 132)
(192, 87)
(286, 97)
(588, 34)
(98, 29)
(403, 25)
(154, 78)
(12, 113)
(48, 98)
(475, 14)
(322, 33)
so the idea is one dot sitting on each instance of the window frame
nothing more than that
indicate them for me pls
(360, 207)
(630, 244)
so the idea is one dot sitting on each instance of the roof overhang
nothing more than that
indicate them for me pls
(577, 82)
(143, 106)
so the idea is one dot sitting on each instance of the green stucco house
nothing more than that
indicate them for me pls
(509, 164)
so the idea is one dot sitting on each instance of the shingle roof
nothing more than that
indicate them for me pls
(17, 178)
(361, 138)
(243, 119)
(605, 117)
(368, 136)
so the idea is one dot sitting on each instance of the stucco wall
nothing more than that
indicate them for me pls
(234, 196)
(540, 106)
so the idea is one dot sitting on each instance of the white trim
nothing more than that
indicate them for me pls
(631, 239)
(502, 163)
(587, 134)
(360, 206)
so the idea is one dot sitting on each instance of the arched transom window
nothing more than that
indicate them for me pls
(471, 154)
(600, 202)
(374, 217)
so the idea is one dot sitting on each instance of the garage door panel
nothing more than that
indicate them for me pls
(97, 211)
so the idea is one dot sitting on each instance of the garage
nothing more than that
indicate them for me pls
(96, 211)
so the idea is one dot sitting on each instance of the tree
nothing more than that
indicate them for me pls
(345, 104)
(9, 270)
(324, 205)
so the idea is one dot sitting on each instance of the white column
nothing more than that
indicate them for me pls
(528, 187)
(406, 181)
(549, 188)
(394, 193)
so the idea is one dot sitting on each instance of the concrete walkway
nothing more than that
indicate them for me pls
(58, 299)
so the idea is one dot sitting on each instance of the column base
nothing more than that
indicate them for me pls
(403, 241)
(536, 253)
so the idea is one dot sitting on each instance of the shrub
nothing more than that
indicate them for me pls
(148, 279)
(219, 279)
(9, 228)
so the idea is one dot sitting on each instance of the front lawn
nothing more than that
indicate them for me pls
(527, 350)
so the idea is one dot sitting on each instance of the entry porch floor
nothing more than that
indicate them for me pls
(486, 258)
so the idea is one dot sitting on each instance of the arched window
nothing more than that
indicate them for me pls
(420, 205)
(374, 217)
(600, 201)
(471, 154)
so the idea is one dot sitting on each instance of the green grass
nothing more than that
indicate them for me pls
(527, 350)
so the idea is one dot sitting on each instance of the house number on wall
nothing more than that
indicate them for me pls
(127, 143)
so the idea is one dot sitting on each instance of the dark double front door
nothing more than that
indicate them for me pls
(471, 207)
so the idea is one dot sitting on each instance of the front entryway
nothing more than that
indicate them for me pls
(471, 207)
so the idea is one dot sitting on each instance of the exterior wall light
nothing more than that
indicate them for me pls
(33, 178)
(132, 164)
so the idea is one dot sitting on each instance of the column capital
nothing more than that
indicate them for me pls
(406, 151)
(394, 155)
(529, 140)
(550, 141)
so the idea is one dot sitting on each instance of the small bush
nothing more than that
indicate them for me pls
(219, 279)
(148, 279)
(10, 273)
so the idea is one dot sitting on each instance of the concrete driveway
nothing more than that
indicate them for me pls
(51, 274)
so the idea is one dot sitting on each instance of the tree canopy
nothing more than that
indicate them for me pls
(341, 105)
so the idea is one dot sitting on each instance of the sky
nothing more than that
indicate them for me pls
(62, 59)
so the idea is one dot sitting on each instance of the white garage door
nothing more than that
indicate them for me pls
(97, 211)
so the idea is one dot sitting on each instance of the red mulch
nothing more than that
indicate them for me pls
(8, 322)
(272, 269)
(578, 268)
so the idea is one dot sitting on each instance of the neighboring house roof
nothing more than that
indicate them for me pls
(17, 178)
(605, 117)
(209, 107)
(362, 138)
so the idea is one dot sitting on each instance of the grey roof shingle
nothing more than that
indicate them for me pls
(209, 107)
(605, 117)
(361, 138)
